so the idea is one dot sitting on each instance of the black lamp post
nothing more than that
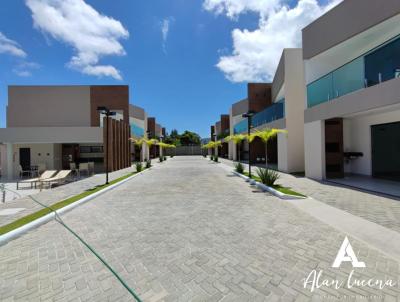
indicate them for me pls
(107, 112)
(249, 115)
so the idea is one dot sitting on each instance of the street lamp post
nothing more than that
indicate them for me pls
(161, 149)
(107, 112)
(249, 115)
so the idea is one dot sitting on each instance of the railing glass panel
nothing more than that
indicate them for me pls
(274, 112)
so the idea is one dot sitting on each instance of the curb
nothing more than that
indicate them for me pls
(42, 220)
(268, 189)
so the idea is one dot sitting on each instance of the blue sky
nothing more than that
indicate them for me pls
(171, 53)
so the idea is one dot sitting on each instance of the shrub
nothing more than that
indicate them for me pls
(268, 177)
(239, 168)
(211, 157)
(139, 166)
(171, 156)
(160, 158)
(205, 155)
(216, 158)
(165, 158)
(148, 163)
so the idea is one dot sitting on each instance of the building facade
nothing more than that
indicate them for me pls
(352, 74)
(58, 125)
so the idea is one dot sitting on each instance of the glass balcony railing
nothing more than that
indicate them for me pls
(374, 67)
(272, 113)
(137, 131)
(240, 127)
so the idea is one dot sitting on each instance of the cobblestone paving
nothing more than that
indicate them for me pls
(50, 196)
(186, 231)
(372, 207)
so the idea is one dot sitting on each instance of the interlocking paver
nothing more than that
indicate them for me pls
(376, 208)
(184, 231)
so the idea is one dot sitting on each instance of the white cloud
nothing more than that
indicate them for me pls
(24, 69)
(165, 27)
(91, 34)
(8, 46)
(256, 53)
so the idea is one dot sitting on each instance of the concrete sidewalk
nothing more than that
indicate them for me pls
(379, 209)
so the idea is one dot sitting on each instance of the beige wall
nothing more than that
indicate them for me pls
(40, 153)
(295, 93)
(43, 106)
(314, 149)
(51, 135)
(344, 21)
(357, 137)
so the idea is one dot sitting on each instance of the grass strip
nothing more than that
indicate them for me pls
(58, 205)
(280, 188)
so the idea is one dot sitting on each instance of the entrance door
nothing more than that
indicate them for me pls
(385, 140)
(334, 165)
(25, 158)
(70, 154)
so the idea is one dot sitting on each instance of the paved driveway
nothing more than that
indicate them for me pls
(185, 231)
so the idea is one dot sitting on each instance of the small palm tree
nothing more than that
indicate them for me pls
(265, 135)
(237, 139)
(138, 142)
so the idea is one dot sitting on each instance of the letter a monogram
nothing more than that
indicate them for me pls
(347, 254)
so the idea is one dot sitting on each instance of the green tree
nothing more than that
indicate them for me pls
(189, 138)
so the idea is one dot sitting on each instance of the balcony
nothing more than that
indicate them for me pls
(272, 113)
(378, 65)
(137, 131)
(240, 127)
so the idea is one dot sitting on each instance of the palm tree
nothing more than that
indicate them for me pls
(165, 146)
(150, 143)
(237, 139)
(265, 135)
(138, 142)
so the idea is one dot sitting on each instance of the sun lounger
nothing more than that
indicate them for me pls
(33, 181)
(60, 178)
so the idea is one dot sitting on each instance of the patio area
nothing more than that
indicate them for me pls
(368, 183)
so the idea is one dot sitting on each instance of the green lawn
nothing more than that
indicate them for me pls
(280, 188)
(58, 205)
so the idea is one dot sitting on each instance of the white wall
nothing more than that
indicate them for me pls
(40, 153)
(294, 109)
(282, 152)
(357, 138)
(314, 149)
(3, 160)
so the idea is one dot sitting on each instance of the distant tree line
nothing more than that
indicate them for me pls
(187, 138)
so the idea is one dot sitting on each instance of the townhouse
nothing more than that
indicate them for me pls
(56, 126)
(138, 125)
(352, 74)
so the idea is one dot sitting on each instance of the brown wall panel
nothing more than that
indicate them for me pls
(259, 96)
(113, 97)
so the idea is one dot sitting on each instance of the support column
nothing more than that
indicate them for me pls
(10, 161)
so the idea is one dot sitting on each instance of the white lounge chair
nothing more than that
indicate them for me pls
(60, 178)
(33, 181)
(84, 168)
